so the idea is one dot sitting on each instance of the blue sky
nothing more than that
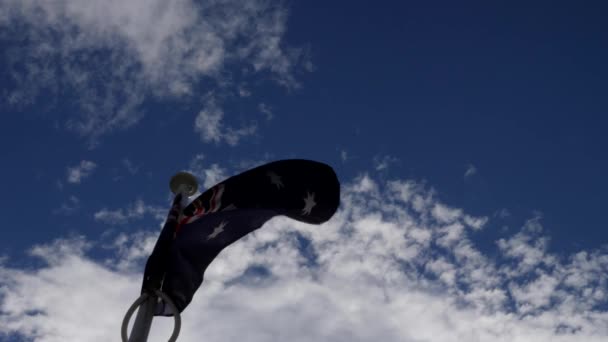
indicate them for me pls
(467, 136)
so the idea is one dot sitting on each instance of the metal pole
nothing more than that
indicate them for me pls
(145, 313)
(143, 321)
(183, 185)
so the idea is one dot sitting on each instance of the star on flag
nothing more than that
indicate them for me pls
(309, 203)
(275, 179)
(217, 230)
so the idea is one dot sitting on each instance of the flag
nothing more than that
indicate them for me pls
(304, 190)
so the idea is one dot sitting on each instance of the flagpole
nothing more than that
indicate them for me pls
(182, 185)
(143, 320)
(147, 306)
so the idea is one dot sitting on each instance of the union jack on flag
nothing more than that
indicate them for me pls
(207, 203)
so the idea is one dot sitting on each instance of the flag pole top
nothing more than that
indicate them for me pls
(183, 182)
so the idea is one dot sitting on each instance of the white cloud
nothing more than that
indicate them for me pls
(209, 124)
(213, 175)
(475, 222)
(68, 207)
(528, 248)
(113, 54)
(445, 214)
(384, 162)
(386, 267)
(266, 110)
(81, 171)
(243, 91)
(471, 171)
(344, 155)
(58, 302)
(130, 251)
(502, 213)
(135, 211)
(130, 166)
(209, 175)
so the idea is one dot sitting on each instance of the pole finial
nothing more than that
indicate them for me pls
(183, 182)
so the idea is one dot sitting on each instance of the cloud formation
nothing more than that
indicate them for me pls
(266, 110)
(384, 162)
(68, 207)
(130, 166)
(81, 171)
(112, 55)
(395, 264)
(135, 211)
(471, 171)
(209, 176)
(209, 124)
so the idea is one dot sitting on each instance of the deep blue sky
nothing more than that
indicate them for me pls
(516, 90)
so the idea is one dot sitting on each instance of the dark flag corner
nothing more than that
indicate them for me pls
(304, 190)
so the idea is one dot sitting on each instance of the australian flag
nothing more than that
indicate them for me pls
(303, 190)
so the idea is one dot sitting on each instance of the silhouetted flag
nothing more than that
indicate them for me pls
(303, 190)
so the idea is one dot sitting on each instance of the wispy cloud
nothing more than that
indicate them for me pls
(81, 171)
(210, 175)
(384, 162)
(344, 155)
(210, 125)
(266, 110)
(502, 213)
(134, 211)
(445, 214)
(470, 171)
(395, 264)
(243, 91)
(112, 55)
(130, 166)
(68, 207)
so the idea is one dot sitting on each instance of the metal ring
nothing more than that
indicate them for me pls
(138, 302)
(177, 318)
